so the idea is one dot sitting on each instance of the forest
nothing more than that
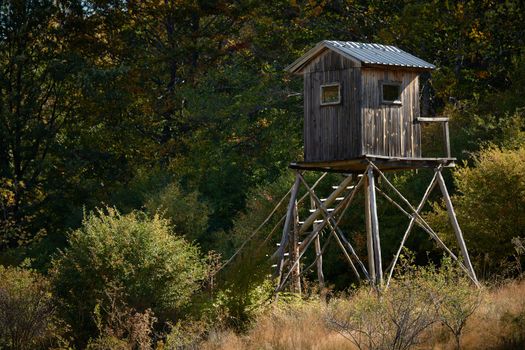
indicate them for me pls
(143, 143)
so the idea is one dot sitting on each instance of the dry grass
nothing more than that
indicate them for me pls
(299, 326)
(499, 323)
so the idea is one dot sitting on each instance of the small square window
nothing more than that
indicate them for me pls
(391, 92)
(330, 94)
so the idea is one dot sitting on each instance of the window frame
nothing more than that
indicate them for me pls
(398, 84)
(338, 94)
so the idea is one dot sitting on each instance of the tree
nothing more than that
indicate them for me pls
(35, 89)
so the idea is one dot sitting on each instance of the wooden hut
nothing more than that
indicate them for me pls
(360, 101)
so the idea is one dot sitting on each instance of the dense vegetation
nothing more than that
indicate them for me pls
(142, 142)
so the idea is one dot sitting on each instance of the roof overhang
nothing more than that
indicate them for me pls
(396, 56)
(297, 66)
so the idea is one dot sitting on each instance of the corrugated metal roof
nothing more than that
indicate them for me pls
(379, 54)
(367, 54)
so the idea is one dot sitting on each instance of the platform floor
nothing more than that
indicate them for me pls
(384, 163)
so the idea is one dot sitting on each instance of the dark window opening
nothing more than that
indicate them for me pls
(391, 93)
(330, 94)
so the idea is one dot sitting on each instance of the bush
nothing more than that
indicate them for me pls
(139, 256)
(121, 327)
(489, 207)
(394, 320)
(27, 311)
(399, 317)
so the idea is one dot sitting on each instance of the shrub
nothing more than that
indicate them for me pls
(453, 295)
(121, 327)
(394, 320)
(489, 206)
(27, 311)
(398, 317)
(137, 255)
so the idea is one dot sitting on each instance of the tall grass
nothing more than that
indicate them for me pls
(498, 323)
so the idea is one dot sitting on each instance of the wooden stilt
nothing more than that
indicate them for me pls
(375, 228)
(369, 238)
(294, 252)
(318, 253)
(286, 228)
(455, 226)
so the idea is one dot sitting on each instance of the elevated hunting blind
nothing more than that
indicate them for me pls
(361, 118)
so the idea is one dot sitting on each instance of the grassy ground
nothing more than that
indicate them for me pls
(498, 323)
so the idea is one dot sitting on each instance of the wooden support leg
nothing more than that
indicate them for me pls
(375, 227)
(318, 253)
(369, 237)
(287, 227)
(294, 252)
(455, 226)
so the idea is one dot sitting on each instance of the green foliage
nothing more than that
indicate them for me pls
(137, 255)
(27, 311)
(245, 282)
(489, 206)
(185, 211)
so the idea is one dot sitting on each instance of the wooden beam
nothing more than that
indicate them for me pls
(369, 234)
(318, 253)
(287, 226)
(385, 163)
(375, 227)
(410, 226)
(294, 251)
(432, 120)
(446, 138)
(455, 226)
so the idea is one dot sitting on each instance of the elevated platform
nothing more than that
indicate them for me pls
(384, 163)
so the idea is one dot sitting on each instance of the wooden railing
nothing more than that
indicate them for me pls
(446, 134)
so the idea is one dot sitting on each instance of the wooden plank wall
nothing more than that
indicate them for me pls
(390, 130)
(332, 132)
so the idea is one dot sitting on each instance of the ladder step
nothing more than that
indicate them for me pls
(328, 210)
(315, 222)
(337, 199)
(347, 187)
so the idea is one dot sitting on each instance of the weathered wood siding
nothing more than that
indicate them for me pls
(332, 132)
(390, 130)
